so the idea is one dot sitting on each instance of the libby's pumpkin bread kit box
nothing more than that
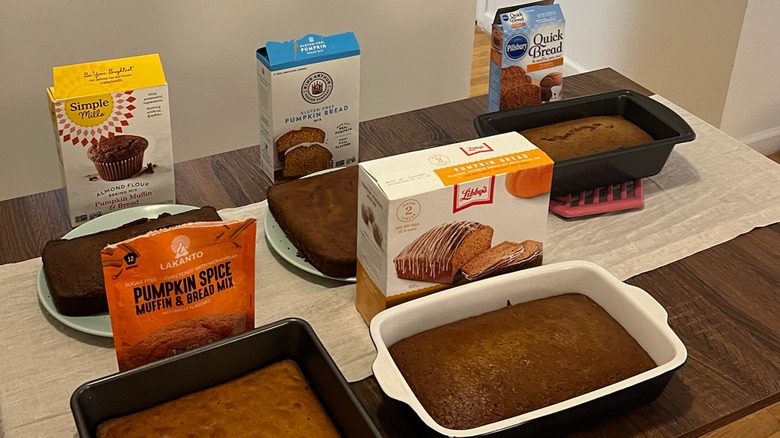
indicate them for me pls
(309, 94)
(434, 218)
(526, 57)
(112, 126)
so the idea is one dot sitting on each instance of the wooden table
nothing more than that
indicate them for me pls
(723, 302)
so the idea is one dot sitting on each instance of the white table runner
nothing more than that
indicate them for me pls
(710, 191)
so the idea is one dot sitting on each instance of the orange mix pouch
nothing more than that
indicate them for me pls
(177, 289)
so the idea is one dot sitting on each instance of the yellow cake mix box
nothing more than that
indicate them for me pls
(309, 93)
(434, 218)
(112, 127)
(180, 288)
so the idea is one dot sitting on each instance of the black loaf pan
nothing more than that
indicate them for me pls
(604, 168)
(150, 385)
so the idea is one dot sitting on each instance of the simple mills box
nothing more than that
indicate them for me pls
(113, 130)
(309, 91)
(434, 218)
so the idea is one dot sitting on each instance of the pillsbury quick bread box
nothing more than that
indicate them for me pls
(309, 90)
(113, 131)
(434, 218)
(526, 57)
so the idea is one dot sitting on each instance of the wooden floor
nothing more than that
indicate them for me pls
(761, 424)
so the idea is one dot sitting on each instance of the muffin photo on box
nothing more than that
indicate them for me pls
(118, 157)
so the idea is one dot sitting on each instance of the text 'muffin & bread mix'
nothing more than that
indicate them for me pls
(526, 57)
(309, 91)
(433, 218)
(112, 125)
(176, 289)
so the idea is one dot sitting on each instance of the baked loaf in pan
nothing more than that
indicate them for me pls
(586, 136)
(439, 253)
(74, 270)
(517, 359)
(274, 401)
(319, 216)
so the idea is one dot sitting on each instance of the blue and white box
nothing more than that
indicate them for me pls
(309, 95)
(526, 58)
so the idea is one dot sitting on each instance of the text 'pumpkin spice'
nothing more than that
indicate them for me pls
(177, 289)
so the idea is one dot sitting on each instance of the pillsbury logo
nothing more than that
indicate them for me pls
(473, 149)
(516, 47)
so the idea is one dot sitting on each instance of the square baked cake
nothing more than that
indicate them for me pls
(319, 216)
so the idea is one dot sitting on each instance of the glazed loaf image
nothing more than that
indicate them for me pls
(438, 254)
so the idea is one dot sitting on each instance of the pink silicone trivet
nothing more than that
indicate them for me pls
(617, 197)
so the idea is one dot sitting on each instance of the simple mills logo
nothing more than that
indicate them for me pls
(474, 149)
(473, 193)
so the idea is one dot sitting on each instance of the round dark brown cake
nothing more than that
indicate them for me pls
(118, 157)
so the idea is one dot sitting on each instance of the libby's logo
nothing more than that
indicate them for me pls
(476, 148)
(180, 246)
(473, 193)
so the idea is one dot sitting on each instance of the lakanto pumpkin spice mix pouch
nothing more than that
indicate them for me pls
(176, 289)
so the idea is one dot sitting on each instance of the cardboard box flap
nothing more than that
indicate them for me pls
(110, 76)
(530, 16)
(499, 11)
(430, 169)
(311, 48)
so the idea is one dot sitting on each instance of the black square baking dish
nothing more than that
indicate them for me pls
(156, 383)
(604, 168)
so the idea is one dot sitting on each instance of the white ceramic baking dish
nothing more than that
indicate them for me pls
(641, 316)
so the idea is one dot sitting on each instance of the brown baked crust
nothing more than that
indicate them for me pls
(181, 336)
(319, 216)
(505, 257)
(117, 148)
(306, 134)
(586, 136)
(304, 160)
(551, 80)
(513, 75)
(517, 359)
(74, 270)
(518, 95)
(273, 401)
(438, 254)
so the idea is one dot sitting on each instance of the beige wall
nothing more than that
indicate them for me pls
(715, 58)
(752, 110)
(683, 50)
(414, 54)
